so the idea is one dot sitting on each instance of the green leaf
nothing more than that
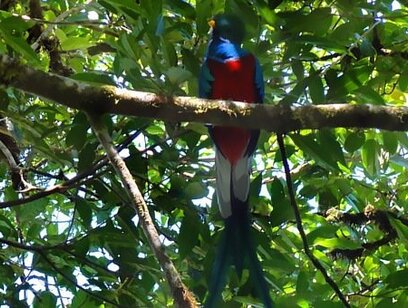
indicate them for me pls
(322, 42)
(316, 88)
(403, 81)
(312, 148)
(84, 211)
(294, 95)
(188, 235)
(369, 155)
(171, 57)
(298, 69)
(6, 227)
(282, 210)
(397, 279)
(327, 140)
(182, 7)
(317, 22)
(399, 160)
(279, 261)
(401, 229)
(333, 243)
(18, 44)
(385, 303)
(190, 61)
(366, 95)
(354, 141)
(302, 284)
(31, 210)
(367, 49)
(326, 231)
(343, 31)
(82, 299)
(256, 186)
(76, 43)
(204, 11)
(77, 136)
(277, 191)
(327, 199)
(136, 163)
(156, 129)
(16, 24)
(45, 300)
(87, 156)
(327, 304)
(267, 14)
(95, 78)
(195, 190)
(243, 8)
(178, 75)
(390, 142)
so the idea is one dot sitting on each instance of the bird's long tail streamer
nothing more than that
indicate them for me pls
(237, 248)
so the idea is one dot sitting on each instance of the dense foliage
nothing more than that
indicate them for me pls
(76, 240)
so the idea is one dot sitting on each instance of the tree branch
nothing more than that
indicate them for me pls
(182, 296)
(299, 225)
(58, 188)
(70, 280)
(277, 118)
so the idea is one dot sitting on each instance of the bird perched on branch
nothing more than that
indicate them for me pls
(231, 73)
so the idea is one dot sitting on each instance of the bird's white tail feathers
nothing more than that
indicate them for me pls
(227, 175)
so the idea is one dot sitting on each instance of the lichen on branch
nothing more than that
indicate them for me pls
(277, 118)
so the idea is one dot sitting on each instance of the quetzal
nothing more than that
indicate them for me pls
(229, 72)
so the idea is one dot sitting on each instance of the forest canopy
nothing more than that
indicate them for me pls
(86, 85)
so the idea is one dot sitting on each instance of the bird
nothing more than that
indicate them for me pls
(229, 72)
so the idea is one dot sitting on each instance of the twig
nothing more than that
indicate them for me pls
(71, 183)
(60, 188)
(41, 251)
(299, 225)
(9, 156)
(353, 45)
(33, 248)
(94, 295)
(61, 17)
(182, 296)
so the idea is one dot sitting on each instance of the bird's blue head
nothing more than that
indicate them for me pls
(228, 26)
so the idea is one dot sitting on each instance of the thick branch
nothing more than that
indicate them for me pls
(182, 296)
(278, 118)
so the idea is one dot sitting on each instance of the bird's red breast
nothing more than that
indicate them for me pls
(233, 80)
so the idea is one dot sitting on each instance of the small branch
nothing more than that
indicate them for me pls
(60, 18)
(299, 225)
(9, 156)
(21, 246)
(71, 183)
(17, 176)
(182, 296)
(370, 215)
(93, 294)
(60, 188)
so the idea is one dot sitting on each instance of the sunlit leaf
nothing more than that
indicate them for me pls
(339, 243)
(74, 43)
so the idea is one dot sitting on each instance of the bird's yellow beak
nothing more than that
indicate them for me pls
(211, 23)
